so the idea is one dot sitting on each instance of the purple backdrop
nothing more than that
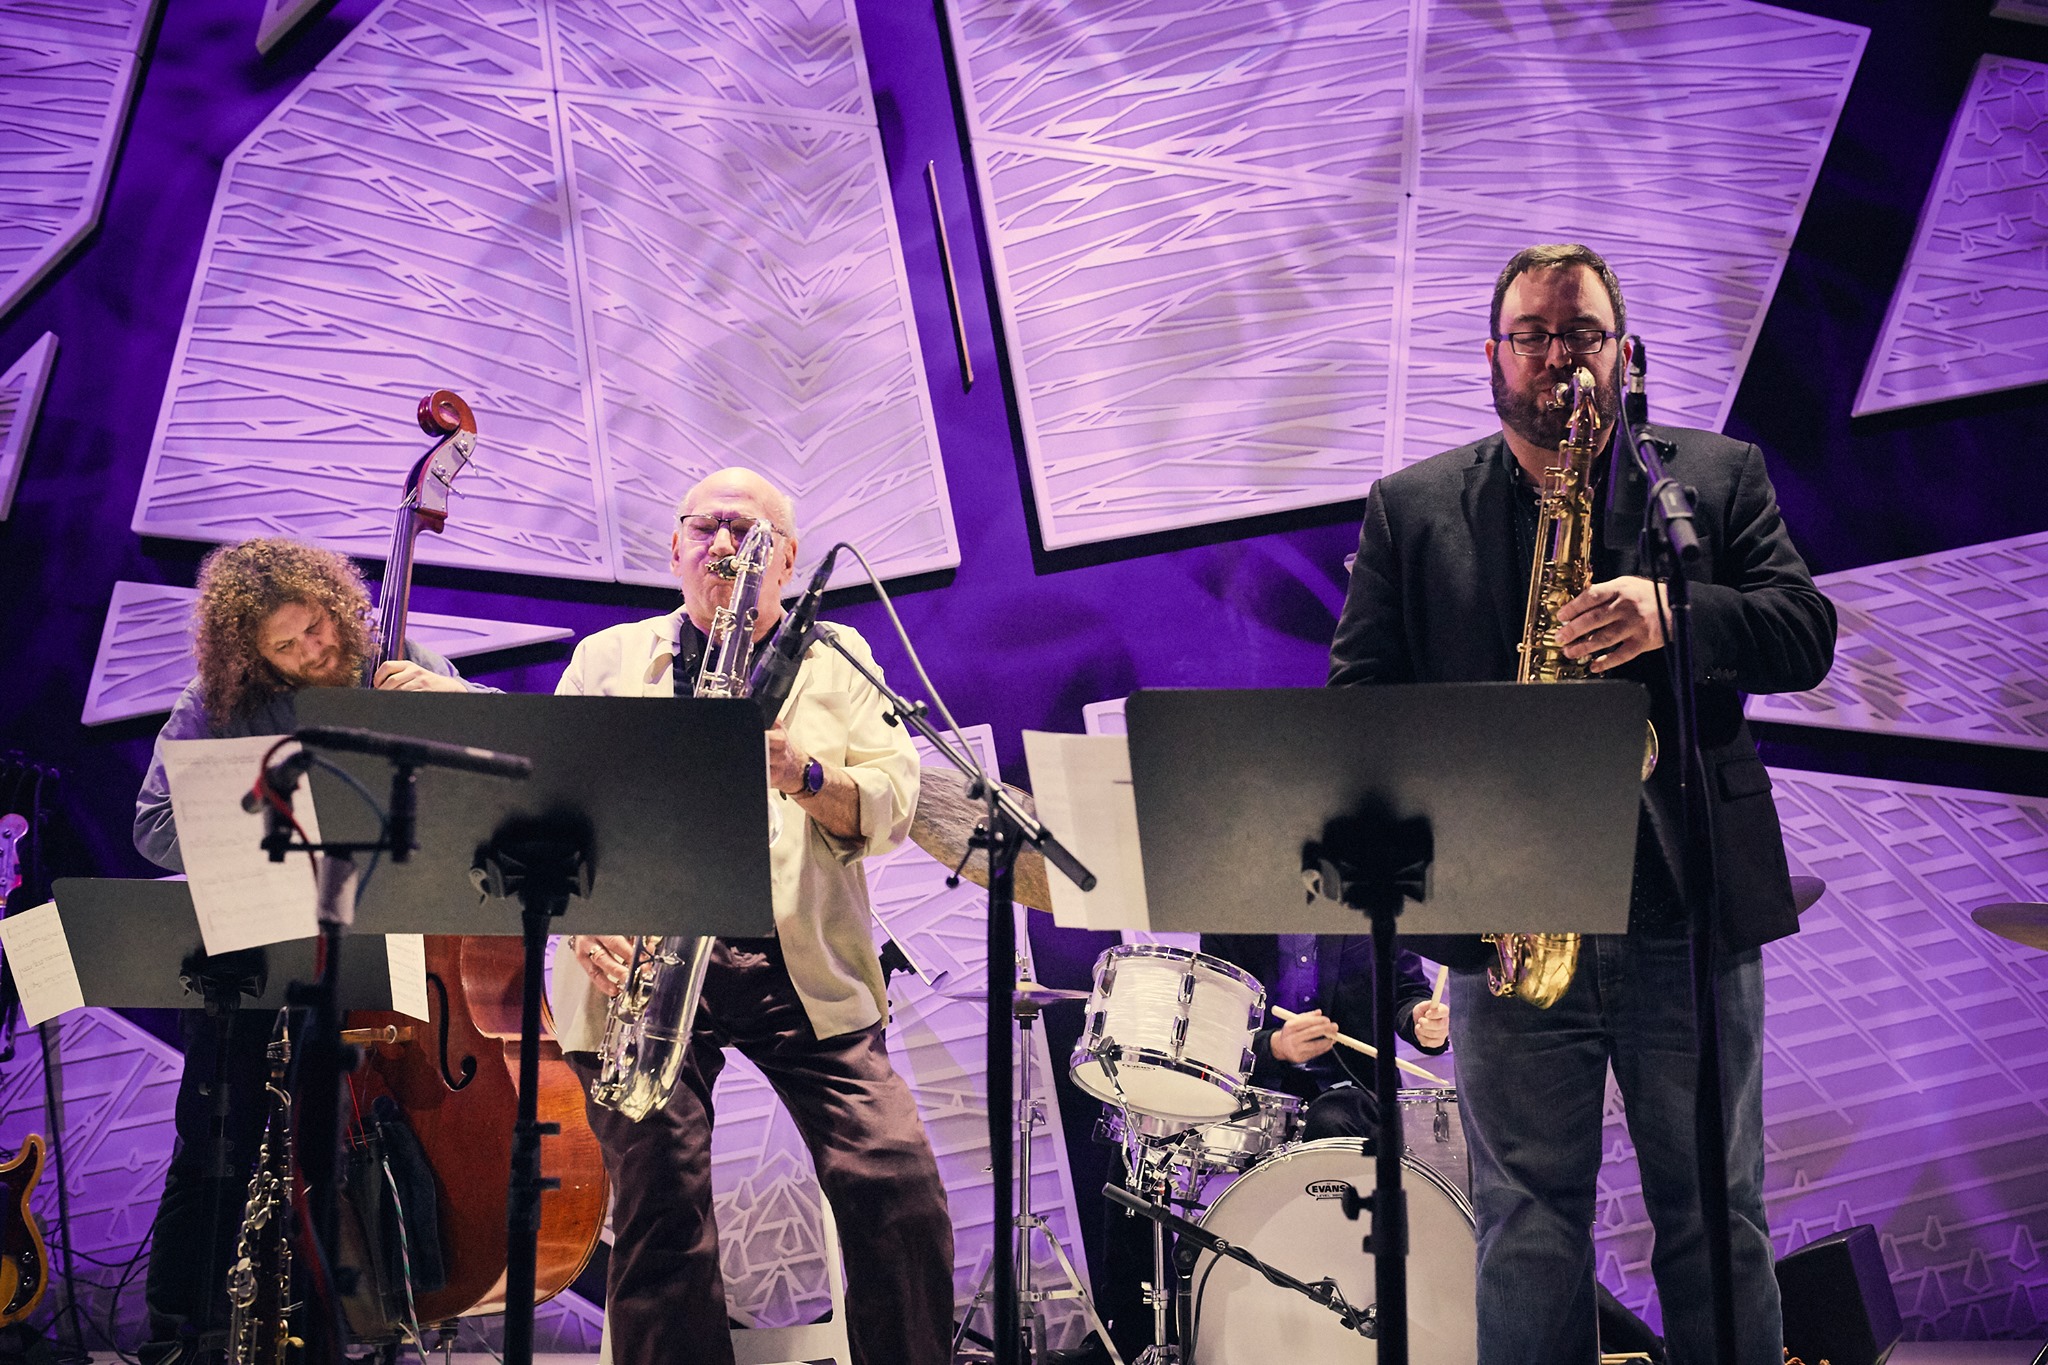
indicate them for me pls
(1017, 637)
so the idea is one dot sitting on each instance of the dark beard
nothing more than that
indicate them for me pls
(1542, 425)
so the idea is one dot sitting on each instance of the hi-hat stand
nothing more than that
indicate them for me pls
(1024, 1008)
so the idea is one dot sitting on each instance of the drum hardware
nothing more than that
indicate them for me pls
(2024, 922)
(1324, 1292)
(946, 825)
(1025, 1003)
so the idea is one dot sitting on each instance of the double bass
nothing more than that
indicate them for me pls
(454, 1079)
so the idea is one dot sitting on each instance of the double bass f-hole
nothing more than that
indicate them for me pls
(440, 988)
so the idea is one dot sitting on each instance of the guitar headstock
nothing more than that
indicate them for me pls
(443, 414)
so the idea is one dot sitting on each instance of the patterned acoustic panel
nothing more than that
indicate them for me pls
(281, 18)
(1245, 250)
(767, 1193)
(2026, 11)
(1906, 1057)
(644, 240)
(1970, 312)
(145, 654)
(21, 397)
(67, 74)
(1946, 646)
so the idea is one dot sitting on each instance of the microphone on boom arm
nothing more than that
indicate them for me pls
(776, 671)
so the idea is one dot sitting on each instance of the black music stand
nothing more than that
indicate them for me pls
(1495, 807)
(174, 973)
(652, 813)
(169, 968)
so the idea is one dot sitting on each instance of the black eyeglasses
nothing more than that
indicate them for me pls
(703, 527)
(1579, 341)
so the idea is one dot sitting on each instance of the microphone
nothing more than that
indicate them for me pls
(1626, 491)
(280, 780)
(414, 753)
(1635, 403)
(776, 671)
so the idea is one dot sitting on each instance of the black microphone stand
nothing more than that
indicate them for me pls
(1672, 542)
(1005, 831)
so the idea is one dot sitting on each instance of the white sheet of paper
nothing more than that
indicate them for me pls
(40, 957)
(242, 898)
(407, 956)
(1082, 784)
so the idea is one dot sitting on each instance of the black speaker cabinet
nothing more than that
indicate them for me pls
(1839, 1305)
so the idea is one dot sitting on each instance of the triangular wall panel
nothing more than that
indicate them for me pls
(1244, 250)
(1945, 646)
(145, 654)
(21, 397)
(643, 240)
(1970, 312)
(67, 75)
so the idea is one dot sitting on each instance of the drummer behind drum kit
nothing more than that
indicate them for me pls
(1167, 1045)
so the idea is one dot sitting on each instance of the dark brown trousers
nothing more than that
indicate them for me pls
(664, 1294)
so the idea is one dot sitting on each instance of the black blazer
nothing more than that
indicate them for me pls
(1436, 596)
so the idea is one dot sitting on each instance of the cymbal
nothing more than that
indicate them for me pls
(1025, 993)
(945, 821)
(1805, 891)
(2024, 922)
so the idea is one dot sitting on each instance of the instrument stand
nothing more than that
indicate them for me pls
(1373, 864)
(542, 870)
(1007, 828)
(1363, 1321)
(1496, 807)
(1031, 1321)
(609, 776)
(1670, 540)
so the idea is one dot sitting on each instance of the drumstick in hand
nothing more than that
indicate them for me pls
(1443, 974)
(1346, 1040)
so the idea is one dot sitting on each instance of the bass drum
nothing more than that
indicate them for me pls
(1287, 1212)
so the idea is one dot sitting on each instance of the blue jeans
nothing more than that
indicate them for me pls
(1531, 1085)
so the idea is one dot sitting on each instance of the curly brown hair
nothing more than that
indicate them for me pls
(239, 586)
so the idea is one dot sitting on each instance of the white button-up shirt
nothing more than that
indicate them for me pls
(820, 889)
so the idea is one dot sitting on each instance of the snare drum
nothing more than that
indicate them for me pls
(1287, 1212)
(1168, 1031)
(1271, 1120)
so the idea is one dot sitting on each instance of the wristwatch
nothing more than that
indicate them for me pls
(814, 779)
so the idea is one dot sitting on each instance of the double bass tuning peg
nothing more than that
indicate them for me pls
(443, 413)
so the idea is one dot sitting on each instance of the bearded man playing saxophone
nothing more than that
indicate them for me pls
(1437, 595)
(806, 1006)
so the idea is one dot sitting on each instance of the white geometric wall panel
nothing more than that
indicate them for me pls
(1946, 646)
(1244, 251)
(643, 240)
(280, 18)
(145, 654)
(21, 397)
(767, 1193)
(1970, 312)
(1906, 1057)
(67, 74)
(2026, 11)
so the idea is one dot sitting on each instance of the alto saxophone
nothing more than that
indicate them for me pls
(260, 1280)
(647, 1028)
(1538, 967)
